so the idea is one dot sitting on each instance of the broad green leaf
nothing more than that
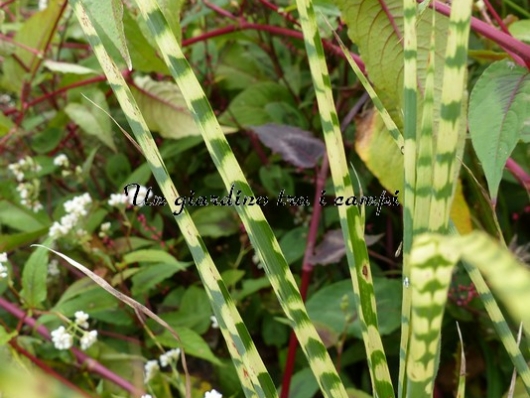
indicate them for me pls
(149, 276)
(6, 337)
(107, 16)
(303, 384)
(34, 276)
(274, 178)
(5, 124)
(14, 241)
(47, 140)
(521, 30)
(20, 219)
(293, 244)
(499, 116)
(214, 222)
(90, 298)
(91, 119)
(143, 55)
(238, 66)
(192, 343)
(64, 67)
(117, 168)
(249, 107)
(35, 33)
(379, 37)
(327, 306)
(153, 256)
(379, 152)
(164, 109)
(194, 311)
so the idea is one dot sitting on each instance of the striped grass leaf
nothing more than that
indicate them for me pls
(499, 323)
(350, 219)
(259, 231)
(433, 258)
(449, 139)
(249, 366)
(410, 112)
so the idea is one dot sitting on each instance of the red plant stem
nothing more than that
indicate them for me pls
(243, 25)
(37, 53)
(502, 39)
(275, 8)
(307, 270)
(43, 366)
(518, 173)
(496, 17)
(219, 10)
(83, 360)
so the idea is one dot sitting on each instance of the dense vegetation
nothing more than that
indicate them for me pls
(81, 175)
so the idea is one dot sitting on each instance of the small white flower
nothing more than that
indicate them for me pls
(140, 197)
(62, 340)
(43, 4)
(213, 394)
(215, 325)
(3, 271)
(151, 367)
(256, 260)
(81, 319)
(105, 227)
(406, 282)
(170, 356)
(3, 268)
(146, 396)
(53, 269)
(118, 199)
(61, 160)
(88, 339)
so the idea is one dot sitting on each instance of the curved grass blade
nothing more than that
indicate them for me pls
(251, 370)
(433, 257)
(259, 231)
(350, 219)
(461, 389)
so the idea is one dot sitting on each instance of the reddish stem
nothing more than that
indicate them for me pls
(496, 17)
(82, 359)
(243, 25)
(518, 172)
(507, 42)
(307, 271)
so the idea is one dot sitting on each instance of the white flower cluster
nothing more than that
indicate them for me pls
(215, 325)
(169, 357)
(61, 160)
(53, 269)
(213, 394)
(28, 190)
(150, 368)
(63, 340)
(76, 209)
(105, 227)
(3, 268)
(120, 199)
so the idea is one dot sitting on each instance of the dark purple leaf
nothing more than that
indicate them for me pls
(332, 248)
(295, 145)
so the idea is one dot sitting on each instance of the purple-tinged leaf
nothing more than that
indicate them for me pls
(295, 145)
(332, 248)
